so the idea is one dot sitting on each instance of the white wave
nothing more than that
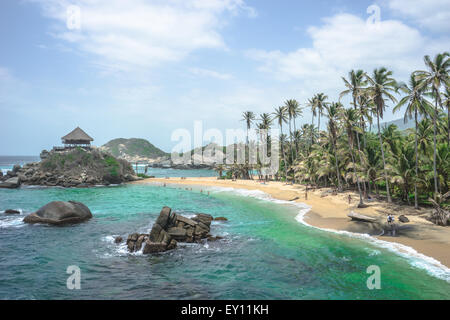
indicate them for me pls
(117, 249)
(12, 222)
(416, 259)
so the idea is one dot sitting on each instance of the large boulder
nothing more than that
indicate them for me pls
(10, 183)
(60, 212)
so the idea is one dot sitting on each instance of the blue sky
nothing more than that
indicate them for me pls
(140, 68)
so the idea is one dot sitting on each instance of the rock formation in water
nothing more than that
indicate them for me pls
(71, 168)
(168, 230)
(60, 212)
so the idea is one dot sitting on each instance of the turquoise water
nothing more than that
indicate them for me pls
(7, 163)
(266, 253)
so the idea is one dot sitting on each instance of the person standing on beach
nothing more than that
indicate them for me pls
(349, 199)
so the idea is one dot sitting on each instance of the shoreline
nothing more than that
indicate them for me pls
(330, 212)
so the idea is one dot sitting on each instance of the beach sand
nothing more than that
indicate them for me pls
(330, 212)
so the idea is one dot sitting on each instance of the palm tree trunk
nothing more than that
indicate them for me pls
(435, 150)
(356, 174)
(416, 201)
(296, 145)
(318, 128)
(337, 165)
(292, 149)
(384, 160)
(284, 156)
(448, 124)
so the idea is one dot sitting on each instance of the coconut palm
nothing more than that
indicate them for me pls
(320, 100)
(350, 118)
(437, 75)
(417, 105)
(333, 111)
(312, 103)
(380, 88)
(248, 117)
(293, 109)
(446, 104)
(281, 116)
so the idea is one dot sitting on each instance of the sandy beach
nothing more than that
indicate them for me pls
(330, 212)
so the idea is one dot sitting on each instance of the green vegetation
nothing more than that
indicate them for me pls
(112, 165)
(133, 147)
(413, 164)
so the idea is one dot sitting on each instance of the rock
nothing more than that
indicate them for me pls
(403, 219)
(139, 242)
(169, 229)
(220, 219)
(154, 233)
(187, 221)
(204, 218)
(164, 217)
(12, 211)
(177, 233)
(118, 240)
(154, 247)
(362, 206)
(16, 168)
(359, 217)
(10, 183)
(172, 245)
(60, 212)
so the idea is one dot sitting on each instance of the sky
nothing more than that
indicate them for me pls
(144, 68)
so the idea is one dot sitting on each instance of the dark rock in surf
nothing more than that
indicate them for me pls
(12, 211)
(169, 229)
(59, 213)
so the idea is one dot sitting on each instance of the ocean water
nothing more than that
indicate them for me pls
(266, 253)
(7, 163)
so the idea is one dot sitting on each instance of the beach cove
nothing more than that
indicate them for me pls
(330, 213)
(265, 253)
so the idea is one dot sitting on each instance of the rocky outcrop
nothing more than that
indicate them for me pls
(60, 212)
(10, 183)
(71, 168)
(403, 219)
(170, 229)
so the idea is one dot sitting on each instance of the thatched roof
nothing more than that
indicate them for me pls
(77, 134)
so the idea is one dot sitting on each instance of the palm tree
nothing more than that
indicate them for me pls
(333, 110)
(356, 81)
(446, 103)
(320, 105)
(380, 88)
(248, 117)
(293, 110)
(282, 117)
(312, 103)
(349, 118)
(417, 105)
(438, 74)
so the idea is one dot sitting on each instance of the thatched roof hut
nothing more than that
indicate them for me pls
(76, 138)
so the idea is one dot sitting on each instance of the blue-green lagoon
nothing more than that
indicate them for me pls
(266, 252)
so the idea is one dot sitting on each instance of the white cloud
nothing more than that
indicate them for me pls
(432, 14)
(344, 42)
(124, 35)
(210, 73)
